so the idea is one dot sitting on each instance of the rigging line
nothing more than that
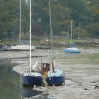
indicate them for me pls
(13, 33)
(69, 29)
(25, 20)
(20, 23)
(71, 33)
(67, 34)
(51, 30)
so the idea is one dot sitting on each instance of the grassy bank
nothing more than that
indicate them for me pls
(83, 58)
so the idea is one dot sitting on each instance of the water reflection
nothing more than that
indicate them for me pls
(9, 80)
(28, 92)
(10, 84)
(32, 93)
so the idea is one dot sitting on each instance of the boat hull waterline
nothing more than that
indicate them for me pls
(22, 48)
(56, 78)
(72, 50)
(31, 79)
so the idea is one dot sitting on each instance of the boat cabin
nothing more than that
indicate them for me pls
(72, 45)
(45, 67)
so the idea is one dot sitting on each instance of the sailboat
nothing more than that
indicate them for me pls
(54, 76)
(31, 77)
(72, 48)
(21, 46)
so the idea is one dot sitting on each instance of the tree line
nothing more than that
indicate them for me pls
(83, 13)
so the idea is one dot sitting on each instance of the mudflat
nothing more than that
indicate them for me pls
(82, 73)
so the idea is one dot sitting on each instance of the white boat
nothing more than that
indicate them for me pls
(21, 46)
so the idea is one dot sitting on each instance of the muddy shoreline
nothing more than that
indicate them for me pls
(81, 78)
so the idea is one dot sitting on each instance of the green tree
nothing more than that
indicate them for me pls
(63, 11)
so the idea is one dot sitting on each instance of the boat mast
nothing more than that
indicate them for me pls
(20, 23)
(51, 30)
(30, 36)
(71, 32)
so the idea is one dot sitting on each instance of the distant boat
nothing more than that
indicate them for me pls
(31, 77)
(54, 76)
(72, 48)
(21, 46)
(6, 48)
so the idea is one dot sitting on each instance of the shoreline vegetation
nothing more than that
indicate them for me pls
(57, 42)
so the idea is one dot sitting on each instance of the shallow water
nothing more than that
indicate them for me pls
(9, 80)
(10, 87)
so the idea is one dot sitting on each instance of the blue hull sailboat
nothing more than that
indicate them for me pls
(54, 76)
(31, 77)
(72, 48)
